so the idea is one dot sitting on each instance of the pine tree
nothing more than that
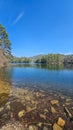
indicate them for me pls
(5, 43)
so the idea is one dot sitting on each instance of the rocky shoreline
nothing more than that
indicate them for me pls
(36, 109)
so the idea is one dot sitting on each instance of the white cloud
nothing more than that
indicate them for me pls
(18, 17)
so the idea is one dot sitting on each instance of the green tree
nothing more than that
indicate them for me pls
(5, 43)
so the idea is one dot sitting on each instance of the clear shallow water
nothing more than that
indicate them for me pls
(38, 75)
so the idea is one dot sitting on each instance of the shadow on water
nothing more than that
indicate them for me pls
(5, 85)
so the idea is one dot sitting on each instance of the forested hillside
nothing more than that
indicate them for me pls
(55, 59)
(52, 59)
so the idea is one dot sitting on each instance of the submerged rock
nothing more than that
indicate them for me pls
(39, 124)
(8, 107)
(28, 108)
(56, 127)
(54, 102)
(61, 122)
(21, 113)
(33, 102)
(27, 98)
(46, 110)
(62, 97)
(1, 109)
(53, 110)
(33, 127)
(43, 116)
(68, 100)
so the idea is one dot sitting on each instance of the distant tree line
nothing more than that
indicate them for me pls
(53, 59)
(20, 60)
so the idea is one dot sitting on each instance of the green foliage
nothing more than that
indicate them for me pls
(51, 59)
(5, 44)
(20, 60)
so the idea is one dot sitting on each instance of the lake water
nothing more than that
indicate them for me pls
(38, 76)
(37, 92)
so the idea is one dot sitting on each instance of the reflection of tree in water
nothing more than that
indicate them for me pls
(41, 66)
(4, 85)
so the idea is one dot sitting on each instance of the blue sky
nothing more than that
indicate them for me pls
(38, 26)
